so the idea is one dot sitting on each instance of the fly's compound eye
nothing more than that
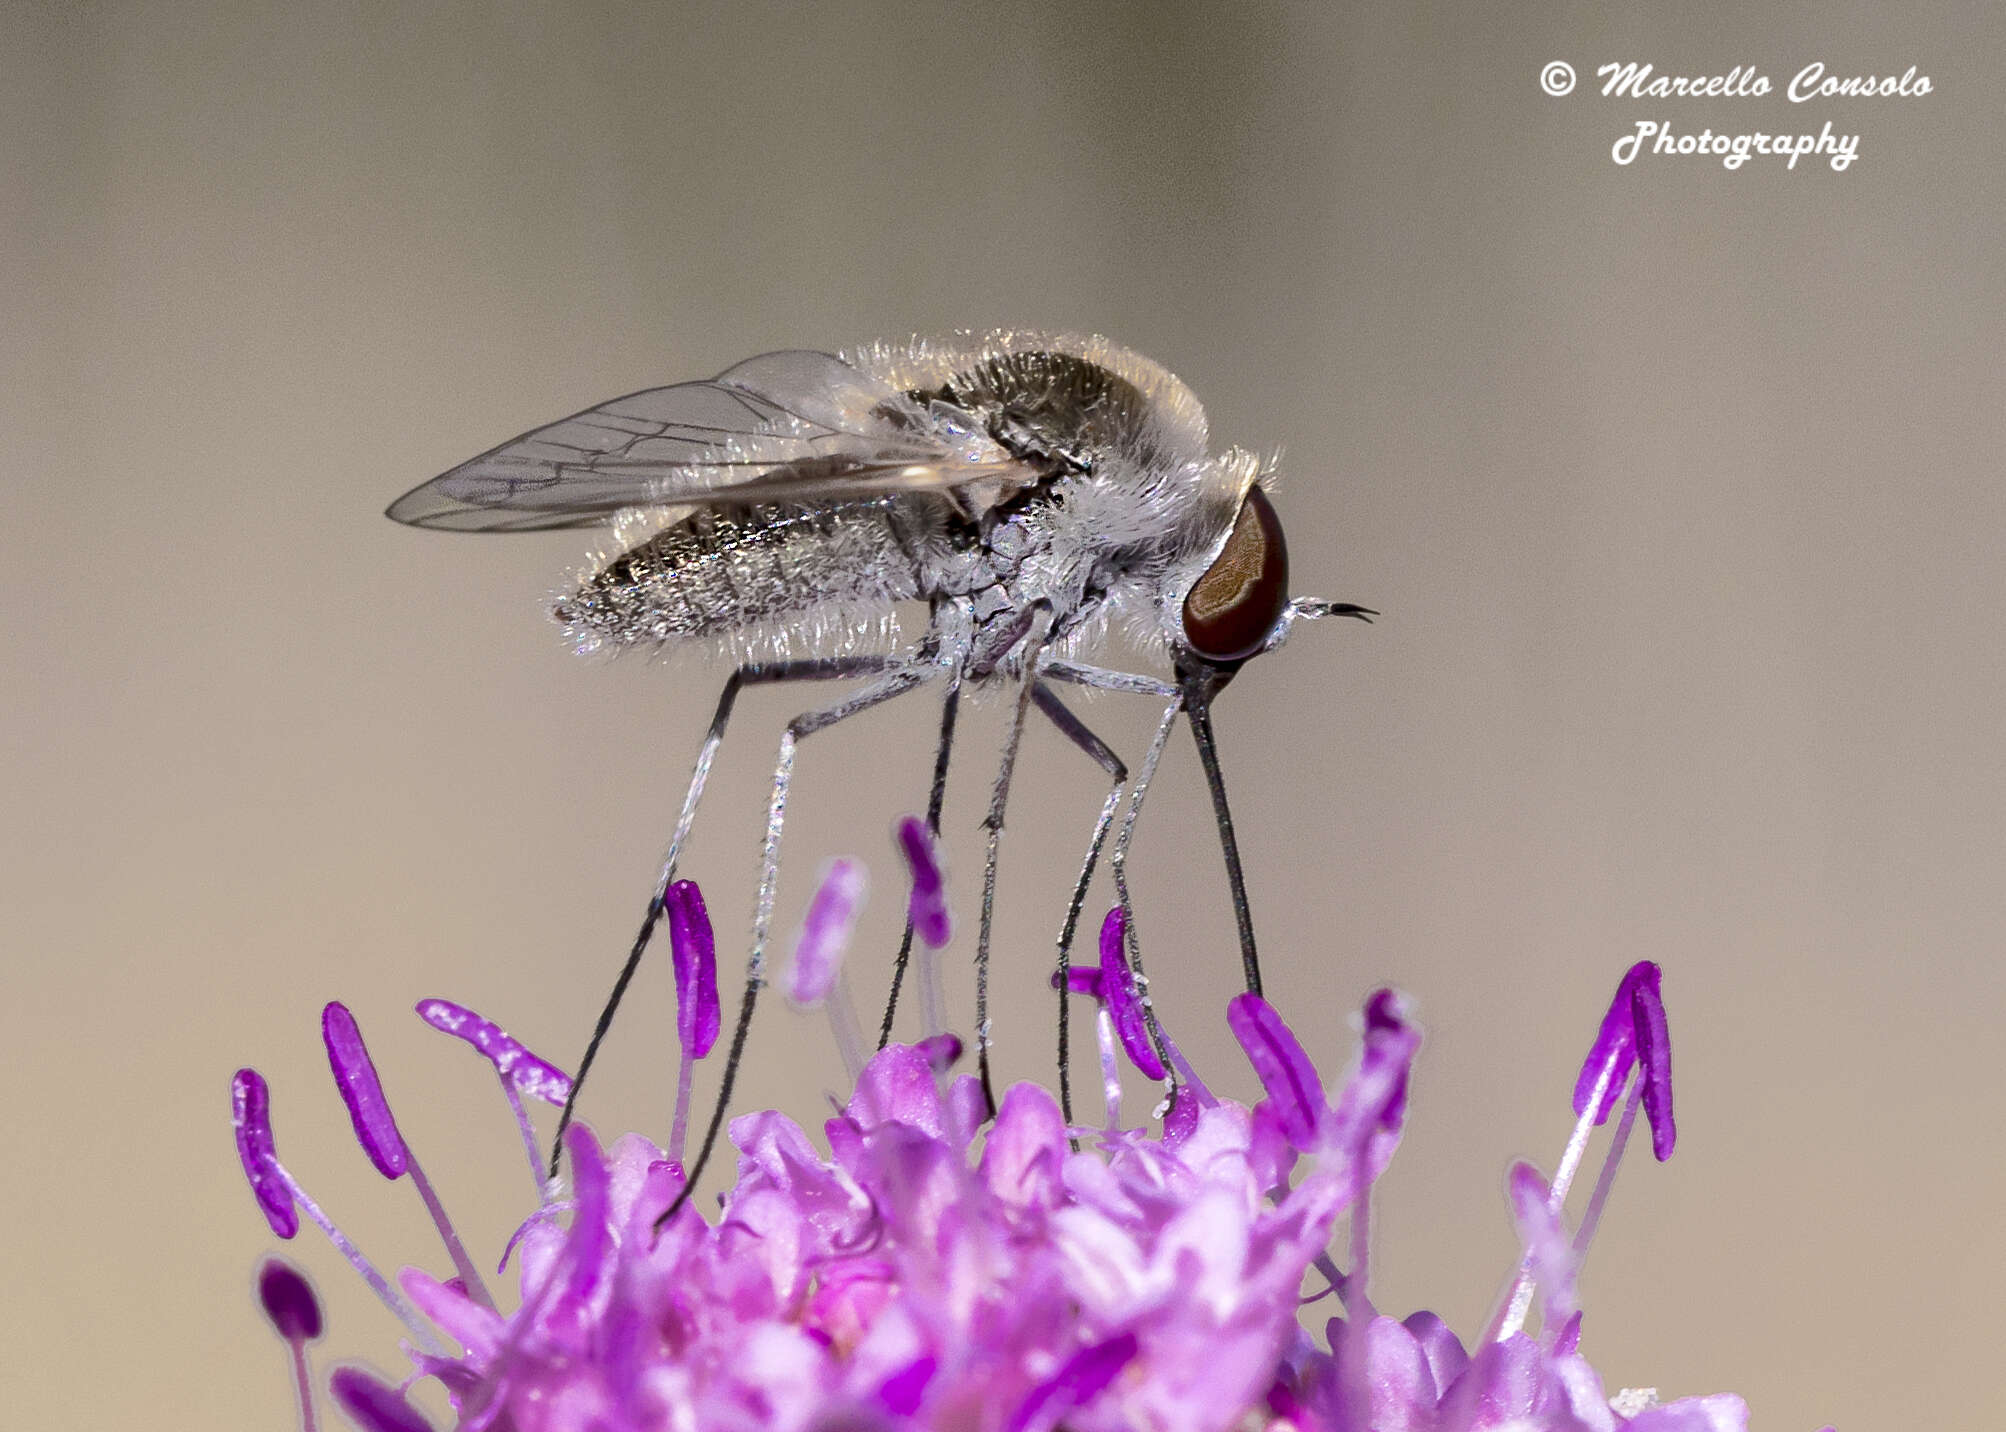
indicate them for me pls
(1232, 608)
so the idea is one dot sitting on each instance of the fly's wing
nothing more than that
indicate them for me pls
(790, 427)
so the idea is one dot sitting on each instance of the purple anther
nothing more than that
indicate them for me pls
(373, 1404)
(1285, 1071)
(693, 952)
(1118, 993)
(929, 886)
(251, 1112)
(512, 1059)
(941, 1051)
(1080, 979)
(289, 1301)
(376, 1129)
(1388, 1033)
(1615, 1049)
(825, 933)
(1372, 1104)
(355, 1077)
(1080, 1379)
(1654, 1055)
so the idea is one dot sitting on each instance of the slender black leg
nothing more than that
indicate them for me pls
(1118, 869)
(830, 670)
(999, 798)
(1195, 691)
(948, 706)
(1076, 731)
(1105, 679)
(895, 683)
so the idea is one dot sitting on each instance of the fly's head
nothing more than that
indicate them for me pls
(1237, 605)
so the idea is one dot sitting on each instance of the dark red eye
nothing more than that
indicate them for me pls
(1233, 607)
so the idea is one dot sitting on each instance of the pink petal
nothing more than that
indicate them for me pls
(1021, 1159)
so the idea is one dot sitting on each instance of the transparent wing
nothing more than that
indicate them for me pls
(793, 426)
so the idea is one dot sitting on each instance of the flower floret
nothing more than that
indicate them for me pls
(943, 1267)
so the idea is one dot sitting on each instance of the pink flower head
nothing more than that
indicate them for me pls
(927, 1266)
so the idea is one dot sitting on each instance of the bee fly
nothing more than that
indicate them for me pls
(1028, 488)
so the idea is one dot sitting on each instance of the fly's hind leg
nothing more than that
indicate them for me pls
(1080, 735)
(750, 675)
(930, 1010)
(1029, 641)
(1076, 731)
(1104, 679)
(893, 683)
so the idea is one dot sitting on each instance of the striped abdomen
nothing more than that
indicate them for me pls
(722, 572)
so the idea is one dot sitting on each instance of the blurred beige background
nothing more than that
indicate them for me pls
(1678, 488)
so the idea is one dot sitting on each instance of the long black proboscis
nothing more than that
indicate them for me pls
(1198, 706)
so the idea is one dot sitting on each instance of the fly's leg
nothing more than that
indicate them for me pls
(1118, 869)
(752, 675)
(929, 988)
(1076, 731)
(895, 683)
(1194, 694)
(1036, 629)
(1104, 679)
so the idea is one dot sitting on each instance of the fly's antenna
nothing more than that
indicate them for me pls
(1314, 607)
(1309, 609)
